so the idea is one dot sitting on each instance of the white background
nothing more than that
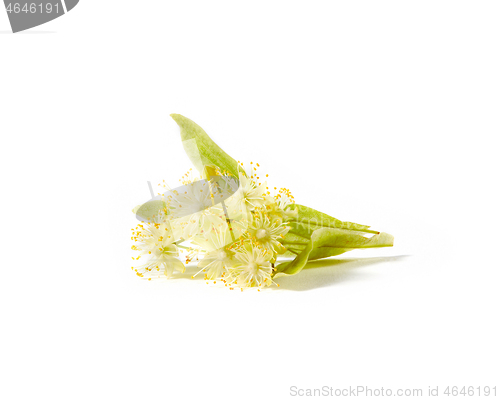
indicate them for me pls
(383, 113)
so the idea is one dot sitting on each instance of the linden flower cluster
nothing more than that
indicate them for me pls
(233, 227)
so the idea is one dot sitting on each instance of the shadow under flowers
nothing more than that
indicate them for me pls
(323, 273)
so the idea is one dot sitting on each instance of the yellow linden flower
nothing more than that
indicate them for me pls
(254, 268)
(156, 241)
(276, 207)
(252, 194)
(216, 263)
(267, 233)
(218, 258)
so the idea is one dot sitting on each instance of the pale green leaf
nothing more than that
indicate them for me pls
(292, 238)
(308, 219)
(327, 242)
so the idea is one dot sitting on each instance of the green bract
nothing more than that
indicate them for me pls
(197, 143)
